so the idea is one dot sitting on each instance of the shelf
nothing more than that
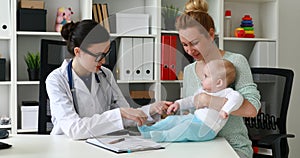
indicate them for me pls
(131, 35)
(28, 82)
(169, 32)
(4, 38)
(31, 33)
(5, 83)
(176, 32)
(152, 81)
(172, 81)
(250, 1)
(5, 126)
(27, 130)
(249, 39)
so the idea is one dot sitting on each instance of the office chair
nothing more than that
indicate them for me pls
(268, 129)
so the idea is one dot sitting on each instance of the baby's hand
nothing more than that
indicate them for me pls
(223, 114)
(172, 108)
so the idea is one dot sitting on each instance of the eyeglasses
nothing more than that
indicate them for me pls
(99, 56)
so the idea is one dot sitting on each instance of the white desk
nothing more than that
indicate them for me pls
(46, 146)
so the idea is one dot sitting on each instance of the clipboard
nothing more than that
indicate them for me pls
(124, 144)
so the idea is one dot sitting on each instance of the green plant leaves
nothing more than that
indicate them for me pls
(170, 12)
(32, 60)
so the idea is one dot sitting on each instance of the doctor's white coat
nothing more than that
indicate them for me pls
(98, 109)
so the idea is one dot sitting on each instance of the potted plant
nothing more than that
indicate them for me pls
(33, 65)
(170, 13)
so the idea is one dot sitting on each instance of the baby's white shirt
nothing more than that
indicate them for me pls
(211, 117)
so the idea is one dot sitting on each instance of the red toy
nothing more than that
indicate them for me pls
(239, 32)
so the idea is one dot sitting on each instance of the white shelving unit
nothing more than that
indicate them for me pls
(264, 15)
(6, 44)
(18, 88)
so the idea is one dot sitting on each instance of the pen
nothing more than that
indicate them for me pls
(143, 149)
(116, 141)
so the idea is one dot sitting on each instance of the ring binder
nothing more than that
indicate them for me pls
(4, 20)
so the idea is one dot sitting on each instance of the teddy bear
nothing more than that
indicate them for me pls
(63, 16)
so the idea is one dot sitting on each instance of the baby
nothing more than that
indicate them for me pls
(205, 123)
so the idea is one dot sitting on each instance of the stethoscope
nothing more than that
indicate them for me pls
(71, 85)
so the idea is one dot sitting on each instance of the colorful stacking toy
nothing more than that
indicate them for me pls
(247, 25)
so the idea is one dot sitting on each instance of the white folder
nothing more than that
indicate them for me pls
(125, 59)
(5, 17)
(85, 9)
(137, 58)
(148, 70)
(263, 55)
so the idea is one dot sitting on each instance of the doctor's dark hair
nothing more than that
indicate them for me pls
(83, 33)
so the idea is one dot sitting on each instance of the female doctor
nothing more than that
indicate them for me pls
(85, 100)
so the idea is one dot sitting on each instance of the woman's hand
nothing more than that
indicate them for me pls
(134, 114)
(159, 107)
(202, 100)
(206, 100)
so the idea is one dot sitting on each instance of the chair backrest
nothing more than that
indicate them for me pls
(53, 53)
(275, 86)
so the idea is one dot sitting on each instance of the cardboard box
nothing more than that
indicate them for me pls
(29, 117)
(142, 94)
(137, 24)
(31, 20)
(32, 4)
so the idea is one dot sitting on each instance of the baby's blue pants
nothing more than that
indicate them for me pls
(178, 128)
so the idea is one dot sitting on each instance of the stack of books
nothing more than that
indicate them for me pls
(100, 15)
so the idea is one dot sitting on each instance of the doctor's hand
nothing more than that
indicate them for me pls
(173, 108)
(159, 107)
(134, 114)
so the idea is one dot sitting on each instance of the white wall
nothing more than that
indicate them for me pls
(289, 56)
